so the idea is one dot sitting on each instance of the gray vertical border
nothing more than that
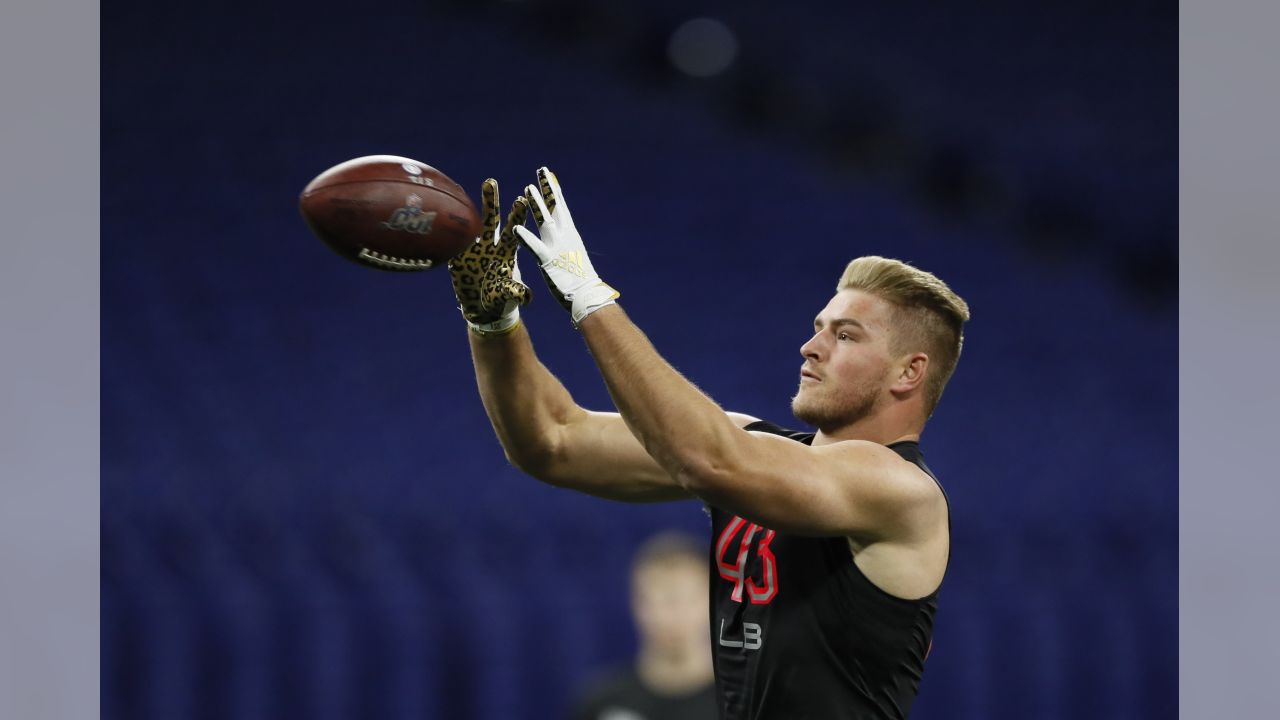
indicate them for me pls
(1230, 223)
(49, 285)
(1230, 323)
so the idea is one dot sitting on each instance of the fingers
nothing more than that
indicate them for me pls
(540, 211)
(490, 209)
(535, 245)
(519, 210)
(517, 291)
(549, 184)
(550, 188)
(508, 244)
(543, 199)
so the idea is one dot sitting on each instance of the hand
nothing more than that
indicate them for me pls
(560, 251)
(486, 278)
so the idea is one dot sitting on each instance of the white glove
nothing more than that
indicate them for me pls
(560, 251)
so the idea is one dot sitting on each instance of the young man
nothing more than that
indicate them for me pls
(671, 678)
(828, 548)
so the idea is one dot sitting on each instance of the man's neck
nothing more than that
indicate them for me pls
(881, 429)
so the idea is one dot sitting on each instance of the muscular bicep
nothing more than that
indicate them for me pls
(596, 454)
(853, 488)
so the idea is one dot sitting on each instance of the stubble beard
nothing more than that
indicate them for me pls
(828, 413)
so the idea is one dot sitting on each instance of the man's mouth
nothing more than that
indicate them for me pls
(808, 375)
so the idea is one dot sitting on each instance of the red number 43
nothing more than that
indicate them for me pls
(759, 593)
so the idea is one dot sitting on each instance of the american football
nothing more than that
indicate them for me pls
(390, 213)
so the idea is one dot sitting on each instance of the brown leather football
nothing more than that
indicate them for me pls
(390, 213)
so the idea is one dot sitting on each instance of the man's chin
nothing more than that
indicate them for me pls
(825, 417)
(806, 413)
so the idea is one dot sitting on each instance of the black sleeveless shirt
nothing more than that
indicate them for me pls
(799, 633)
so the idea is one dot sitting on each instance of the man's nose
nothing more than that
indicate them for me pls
(811, 349)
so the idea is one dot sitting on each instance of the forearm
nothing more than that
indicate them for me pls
(680, 427)
(526, 404)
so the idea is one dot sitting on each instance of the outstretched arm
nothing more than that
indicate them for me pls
(542, 430)
(853, 488)
(856, 488)
(546, 434)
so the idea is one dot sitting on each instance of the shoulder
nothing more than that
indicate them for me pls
(905, 501)
(871, 463)
(863, 457)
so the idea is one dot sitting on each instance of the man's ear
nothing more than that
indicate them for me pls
(911, 373)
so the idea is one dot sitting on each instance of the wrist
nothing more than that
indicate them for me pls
(502, 326)
(590, 299)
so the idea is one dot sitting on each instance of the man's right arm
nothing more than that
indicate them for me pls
(547, 435)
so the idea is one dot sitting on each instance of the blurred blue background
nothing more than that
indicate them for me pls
(305, 513)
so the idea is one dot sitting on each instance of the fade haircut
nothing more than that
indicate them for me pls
(928, 316)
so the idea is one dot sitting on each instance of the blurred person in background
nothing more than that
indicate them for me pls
(671, 678)
(828, 547)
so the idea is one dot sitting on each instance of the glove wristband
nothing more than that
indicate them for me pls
(502, 326)
(590, 299)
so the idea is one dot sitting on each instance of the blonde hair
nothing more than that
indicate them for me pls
(928, 315)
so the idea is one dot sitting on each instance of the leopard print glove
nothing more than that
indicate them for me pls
(486, 279)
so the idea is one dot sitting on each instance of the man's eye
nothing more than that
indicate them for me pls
(844, 336)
